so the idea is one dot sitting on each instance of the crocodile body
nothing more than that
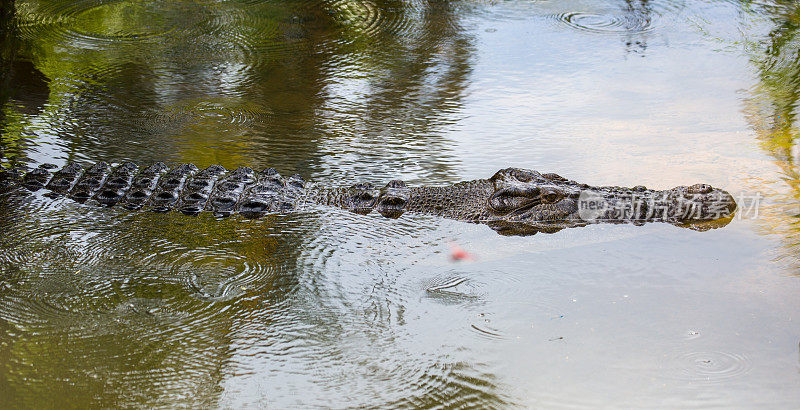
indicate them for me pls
(514, 201)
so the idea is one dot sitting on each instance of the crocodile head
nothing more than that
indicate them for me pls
(525, 202)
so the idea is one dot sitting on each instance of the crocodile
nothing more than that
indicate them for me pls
(514, 201)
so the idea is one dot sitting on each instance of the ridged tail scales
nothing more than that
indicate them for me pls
(191, 190)
(143, 186)
(170, 187)
(229, 190)
(38, 178)
(199, 189)
(64, 179)
(160, 189)
(117, 184)
(90, 182)
(272, 193)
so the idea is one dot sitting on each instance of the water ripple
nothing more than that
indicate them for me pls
(223, 114)
(368, 19)
(606, 23)
(713, 367)
(219, 274)
(250, 35)
(486, 331)
(96, 24)
(706, 367)
(452, 289)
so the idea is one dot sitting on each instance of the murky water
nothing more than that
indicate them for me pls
(106, 307)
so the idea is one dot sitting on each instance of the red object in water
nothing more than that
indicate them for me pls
(457, 254)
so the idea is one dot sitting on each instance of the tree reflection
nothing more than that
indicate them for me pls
(23, 88)
(772, 114)
(638, 14)
(6, 50)
(143, 310)
(291, 86)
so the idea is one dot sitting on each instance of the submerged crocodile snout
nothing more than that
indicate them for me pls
(699, 202)
(525, 196)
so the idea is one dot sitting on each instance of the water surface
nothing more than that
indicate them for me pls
(324, 308)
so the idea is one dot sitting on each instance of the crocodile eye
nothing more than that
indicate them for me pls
(522, 176)
(551, 197)
(364, 196)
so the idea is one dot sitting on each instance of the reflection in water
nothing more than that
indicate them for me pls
(23, 88)
(105, 317)
(638, 23)
(116, 309)
(422, 62)
(261, 82)
(7, 42)
(102, 307)
(633, 20)
(772, 113)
